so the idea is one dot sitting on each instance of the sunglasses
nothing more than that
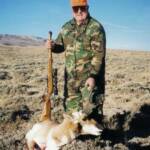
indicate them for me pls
(81, 8)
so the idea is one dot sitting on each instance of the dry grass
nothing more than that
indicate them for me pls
(23, 79)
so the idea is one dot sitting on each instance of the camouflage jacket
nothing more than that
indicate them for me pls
(84, 47)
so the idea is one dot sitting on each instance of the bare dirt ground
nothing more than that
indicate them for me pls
(23, 80)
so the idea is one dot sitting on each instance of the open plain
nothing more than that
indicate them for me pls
(23, 80)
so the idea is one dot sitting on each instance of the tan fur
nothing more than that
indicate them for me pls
(92, 121)
(57, 132)
(64, 129)
(51, 135)
(55, 135)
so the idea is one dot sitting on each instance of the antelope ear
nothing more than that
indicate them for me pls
(66, 116)
(78, 115)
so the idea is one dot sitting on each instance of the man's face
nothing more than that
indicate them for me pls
(80, 13)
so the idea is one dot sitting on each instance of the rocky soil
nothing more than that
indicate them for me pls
(23, 80)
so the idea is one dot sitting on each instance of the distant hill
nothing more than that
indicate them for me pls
(17, 40)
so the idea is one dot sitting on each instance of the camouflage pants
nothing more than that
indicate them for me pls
(80, 98)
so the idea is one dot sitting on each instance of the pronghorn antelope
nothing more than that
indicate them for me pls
(51, 136)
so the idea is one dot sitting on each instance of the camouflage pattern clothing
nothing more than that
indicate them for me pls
(84, 47)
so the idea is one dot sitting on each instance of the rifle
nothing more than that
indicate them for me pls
(46, 113)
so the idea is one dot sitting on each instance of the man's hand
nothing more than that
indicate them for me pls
(90, 83)
(49, 44)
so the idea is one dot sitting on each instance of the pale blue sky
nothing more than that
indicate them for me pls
(127, 22)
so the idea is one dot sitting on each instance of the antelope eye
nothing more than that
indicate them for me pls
(79, 127)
